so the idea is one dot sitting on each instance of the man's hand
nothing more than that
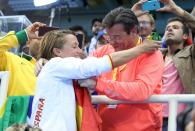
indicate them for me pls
(39, 65)
(89, 83)
(170, 6)
(137, 8)
(32, 29)
(150, 46)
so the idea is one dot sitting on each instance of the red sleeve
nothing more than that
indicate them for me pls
(148, 77)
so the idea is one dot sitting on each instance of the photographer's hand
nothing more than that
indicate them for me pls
(32, 29)
(137, 8)
(170, 6)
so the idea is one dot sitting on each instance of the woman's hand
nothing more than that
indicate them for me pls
(89, 83)
(149, 46)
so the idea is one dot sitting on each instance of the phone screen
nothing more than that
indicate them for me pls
(151, 5)
(43, 30)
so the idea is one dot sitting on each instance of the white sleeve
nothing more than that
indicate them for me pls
(75, 68)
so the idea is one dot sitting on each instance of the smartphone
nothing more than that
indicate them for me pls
(80, 39)
(44, 29)
(151, 5)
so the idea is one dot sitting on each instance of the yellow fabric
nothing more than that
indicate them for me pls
(79, 113)
(139, 41)
(22, 78)
(149, 37)
(116, 70)
(8, 41)
(110, 61)
(114, 76)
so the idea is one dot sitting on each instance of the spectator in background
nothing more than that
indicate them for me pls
(21, 76)
(102, 39)
(56, 78)
(146, 23)
(96, 27)
(176, 35)
(11, 62)
(179, 56)
(79, 30)
(31, 49)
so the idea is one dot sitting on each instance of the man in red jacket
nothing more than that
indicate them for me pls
(134, 81)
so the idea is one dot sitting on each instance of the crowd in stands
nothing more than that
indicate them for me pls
(52, 80)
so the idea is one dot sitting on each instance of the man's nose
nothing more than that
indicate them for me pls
(170, 29)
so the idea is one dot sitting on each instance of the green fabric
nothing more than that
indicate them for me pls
(156, 36)
(22, 37)
(15, 112)
(25, 56)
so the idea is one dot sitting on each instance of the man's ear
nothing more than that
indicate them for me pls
(185, 36)
(134, 30)
(153, 26)
(57, 52)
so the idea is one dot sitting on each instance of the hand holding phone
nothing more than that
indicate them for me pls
(151, 5)
(44, 29)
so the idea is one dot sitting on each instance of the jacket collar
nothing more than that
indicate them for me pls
(185, 52)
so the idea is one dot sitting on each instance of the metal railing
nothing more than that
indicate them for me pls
(173, 101)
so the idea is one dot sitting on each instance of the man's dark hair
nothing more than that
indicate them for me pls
(80, 28)
(77, 28)
(96, 20)
(185, 26)
(123, 16)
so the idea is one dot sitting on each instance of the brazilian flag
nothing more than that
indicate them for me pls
(14, 111)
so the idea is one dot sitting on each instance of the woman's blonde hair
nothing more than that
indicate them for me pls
(51, 40)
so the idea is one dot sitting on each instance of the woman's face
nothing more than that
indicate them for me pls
(70, 48)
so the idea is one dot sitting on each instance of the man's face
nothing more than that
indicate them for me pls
(97, 26)
(70, 48)
(119, 39)
(146, 26)
(174, 32)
